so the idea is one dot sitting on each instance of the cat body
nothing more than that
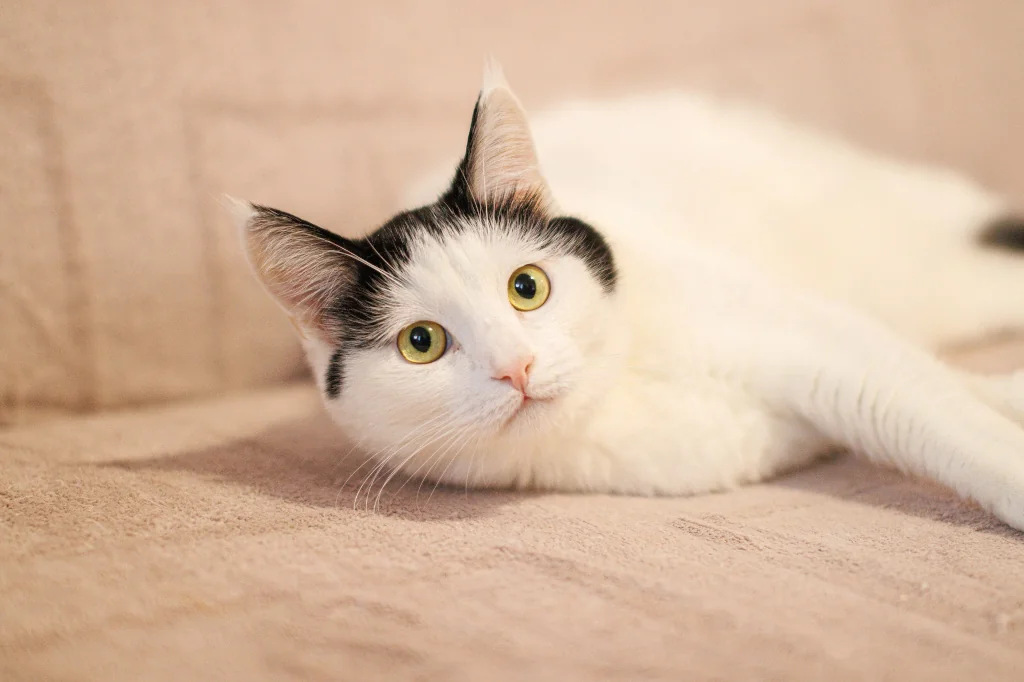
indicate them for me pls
(658, 327)
(896, 240)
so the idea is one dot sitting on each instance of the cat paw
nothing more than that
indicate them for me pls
(1004, 496)
(1010, 510)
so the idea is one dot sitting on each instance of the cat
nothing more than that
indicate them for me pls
(660, 323)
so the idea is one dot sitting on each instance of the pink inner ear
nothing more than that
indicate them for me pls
(302, 270)
(503, 159)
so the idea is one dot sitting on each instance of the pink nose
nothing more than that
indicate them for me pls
(518, 373)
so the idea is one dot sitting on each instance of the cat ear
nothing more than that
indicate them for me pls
(304, 268)
(501, 160)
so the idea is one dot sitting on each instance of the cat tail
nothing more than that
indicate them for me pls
(1005, 232)
(866, 389)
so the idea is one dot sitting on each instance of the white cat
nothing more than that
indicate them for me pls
(690, 336)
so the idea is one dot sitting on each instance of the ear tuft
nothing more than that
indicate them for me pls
(494, 77)
(241, 211)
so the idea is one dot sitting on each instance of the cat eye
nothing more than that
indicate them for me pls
(528, 288)
(422, 342)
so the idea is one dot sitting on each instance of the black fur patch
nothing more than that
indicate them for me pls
(1004, 233)
(335, 374)
(524, 211)
(587, 244)
(458, 195)
(358, 311)
(387, 250)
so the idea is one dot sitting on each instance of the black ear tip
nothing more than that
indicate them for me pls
(1006, 232)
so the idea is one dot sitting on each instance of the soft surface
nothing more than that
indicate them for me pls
(218, 540)
(215, 540)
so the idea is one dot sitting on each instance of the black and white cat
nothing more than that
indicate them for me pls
(680, 304)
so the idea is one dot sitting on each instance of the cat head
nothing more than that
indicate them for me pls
(460, 337)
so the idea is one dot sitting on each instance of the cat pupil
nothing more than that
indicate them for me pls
(420, 339)
(525, 286)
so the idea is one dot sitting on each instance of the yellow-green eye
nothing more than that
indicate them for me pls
(422, 342)
(528, 288)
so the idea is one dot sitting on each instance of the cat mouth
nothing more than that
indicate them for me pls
(527, 406)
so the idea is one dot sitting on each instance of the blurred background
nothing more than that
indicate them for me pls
(122, 122)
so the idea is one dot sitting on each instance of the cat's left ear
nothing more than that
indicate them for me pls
(305, 268)
(501, 159)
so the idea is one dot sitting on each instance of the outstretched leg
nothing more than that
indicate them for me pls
(864, 387)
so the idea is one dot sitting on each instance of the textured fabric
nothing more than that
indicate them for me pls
(223, 541)
(122, 122)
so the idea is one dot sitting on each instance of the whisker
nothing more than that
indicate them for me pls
(449, 434)
(372, 457)
(382, 464)
(453, 434)
(438, 432)
(381, 256)
(433, 462)
(441, 477)
(359, 259)
(337, 465)
(472, 461)
(462, 444)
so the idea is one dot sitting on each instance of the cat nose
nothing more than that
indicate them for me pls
(517, 373)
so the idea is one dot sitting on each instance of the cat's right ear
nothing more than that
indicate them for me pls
(304, 267)
(500, 160)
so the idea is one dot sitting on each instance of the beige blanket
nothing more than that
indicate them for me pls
(223, 540)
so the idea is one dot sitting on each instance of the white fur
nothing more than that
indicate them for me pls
(723, 356)
(890, 238)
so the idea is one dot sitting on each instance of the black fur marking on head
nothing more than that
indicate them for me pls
(1006, 232)
(360, 310)
(588, 245)
(357, 312)
(459, 197)
(335, 374)
(524, 210)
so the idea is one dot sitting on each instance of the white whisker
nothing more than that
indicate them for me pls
(398, 443)
(358, 259)
(448, 434)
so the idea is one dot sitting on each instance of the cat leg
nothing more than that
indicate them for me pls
(867, 389)
(859, 383)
